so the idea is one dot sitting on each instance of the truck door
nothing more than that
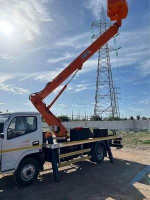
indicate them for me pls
(21, 137)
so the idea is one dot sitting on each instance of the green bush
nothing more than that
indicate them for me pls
(64, 118)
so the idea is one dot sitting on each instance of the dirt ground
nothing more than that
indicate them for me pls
(89, 181)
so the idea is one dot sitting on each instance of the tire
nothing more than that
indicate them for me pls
(98, 153)
(27, 172)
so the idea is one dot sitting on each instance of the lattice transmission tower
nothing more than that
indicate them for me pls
(106, 101)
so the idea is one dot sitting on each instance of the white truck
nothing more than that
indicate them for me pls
(24, 148)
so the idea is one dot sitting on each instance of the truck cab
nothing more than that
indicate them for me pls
(20, 135)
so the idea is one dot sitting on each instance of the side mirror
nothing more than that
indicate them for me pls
(2, 135)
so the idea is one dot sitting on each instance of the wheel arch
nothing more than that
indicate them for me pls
(35, 155)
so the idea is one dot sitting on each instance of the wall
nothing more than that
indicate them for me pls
(117, 125)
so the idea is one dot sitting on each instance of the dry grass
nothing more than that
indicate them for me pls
(135, 139)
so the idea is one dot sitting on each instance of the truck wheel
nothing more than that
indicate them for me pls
(27, 172)
(98, 153)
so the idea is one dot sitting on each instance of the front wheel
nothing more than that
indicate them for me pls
(27, 172)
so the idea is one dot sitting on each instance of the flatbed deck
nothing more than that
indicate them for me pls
(72, 143)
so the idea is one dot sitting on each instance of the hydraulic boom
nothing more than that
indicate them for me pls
(117, 10)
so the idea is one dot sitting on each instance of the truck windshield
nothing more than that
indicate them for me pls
(4, 117)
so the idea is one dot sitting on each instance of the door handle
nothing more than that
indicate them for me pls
(35, 143)
(2, 135)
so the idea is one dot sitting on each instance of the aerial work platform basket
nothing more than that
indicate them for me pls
(117, 9)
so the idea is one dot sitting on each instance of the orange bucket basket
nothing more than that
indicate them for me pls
(117, 9)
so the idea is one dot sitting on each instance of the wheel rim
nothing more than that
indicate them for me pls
(100, 154)
(28, 172)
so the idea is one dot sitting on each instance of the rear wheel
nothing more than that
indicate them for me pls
(27, 172)
(98, 153)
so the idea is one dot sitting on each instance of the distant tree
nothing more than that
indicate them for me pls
(117, 118)
(64, 118)
(105, 119)
(138, 117)
(84, 119)
(110, 118)
(144, 118)
(124, 118)
(96, 118)
(76, 119)
(132, 118)
(113, 118)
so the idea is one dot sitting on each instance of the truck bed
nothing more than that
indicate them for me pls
(67, 144)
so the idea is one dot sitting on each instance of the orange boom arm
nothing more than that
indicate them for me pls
(117, 10)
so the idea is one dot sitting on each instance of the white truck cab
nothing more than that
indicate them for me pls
(20, 135)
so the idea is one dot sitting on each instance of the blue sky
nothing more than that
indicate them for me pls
(40, 37)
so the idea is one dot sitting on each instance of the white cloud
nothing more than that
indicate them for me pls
(6, 77)
(131, 53)
(80, 87)
(26, 16)
(43, 76)
(40, 8)
(58, 89)
(66, 56)
(77, 41)
(28, 103)
(145, 101)
(7, 57)
(145, 67)
(47, 75)
(1, 103)
(142, 82)
(88, 66)
(13, 89)
(135, 51)
(95, 6)
(9, 87)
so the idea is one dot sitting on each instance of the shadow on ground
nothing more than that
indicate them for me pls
(85, 180)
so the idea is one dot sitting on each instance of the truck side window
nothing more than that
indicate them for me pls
(21, 125)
